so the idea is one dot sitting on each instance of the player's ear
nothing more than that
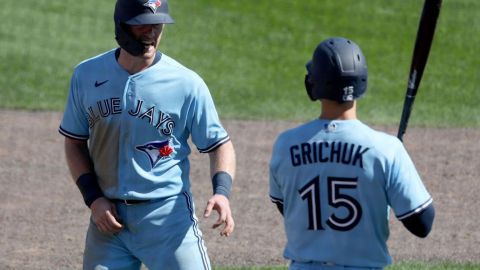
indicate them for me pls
(308, 82)
(126, 28)
(309, 87)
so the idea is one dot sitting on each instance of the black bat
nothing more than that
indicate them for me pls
(426, 29)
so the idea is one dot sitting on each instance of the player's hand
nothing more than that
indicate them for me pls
(104, 215)
(220, 204)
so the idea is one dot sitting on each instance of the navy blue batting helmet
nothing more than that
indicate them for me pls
(337, 71)
(138, 12)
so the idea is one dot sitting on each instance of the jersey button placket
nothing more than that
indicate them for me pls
(130, 93)
(130, 105)
(130, 102)
(126, 136)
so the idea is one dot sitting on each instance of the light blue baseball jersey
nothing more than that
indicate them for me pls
(138, 126)
(337, 181)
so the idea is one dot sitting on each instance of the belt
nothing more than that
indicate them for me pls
(130, 202)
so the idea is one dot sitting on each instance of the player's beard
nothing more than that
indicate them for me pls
(150, 45)
(142, 46)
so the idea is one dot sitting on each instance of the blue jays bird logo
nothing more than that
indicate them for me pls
(153, 4)
(156, 150)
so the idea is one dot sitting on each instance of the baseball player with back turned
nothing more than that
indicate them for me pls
(334, 179)
(129, 114)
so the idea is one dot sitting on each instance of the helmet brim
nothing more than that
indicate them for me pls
(153, 18)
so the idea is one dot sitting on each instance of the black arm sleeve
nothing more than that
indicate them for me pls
(420, 224)
(279, 207)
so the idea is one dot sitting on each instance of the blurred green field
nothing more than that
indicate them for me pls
(252, 54)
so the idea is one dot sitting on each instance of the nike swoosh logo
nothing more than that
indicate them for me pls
(97, 84)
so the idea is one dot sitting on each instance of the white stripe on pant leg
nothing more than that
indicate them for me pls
(201, 246)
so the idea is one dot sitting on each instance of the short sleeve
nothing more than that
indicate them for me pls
(206, 128)
(275, 192)
(406, 192)
(75, 122)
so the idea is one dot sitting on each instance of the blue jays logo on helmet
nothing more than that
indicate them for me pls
(153, 4)
(156, 150)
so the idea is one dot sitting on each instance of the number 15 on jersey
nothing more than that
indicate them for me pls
(336, 199)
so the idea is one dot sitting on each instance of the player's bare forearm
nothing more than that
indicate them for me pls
(223, 159)
(104, 213)
(77, 156)
(222, 170)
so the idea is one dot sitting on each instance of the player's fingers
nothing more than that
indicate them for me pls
(115, 213)
(101, 227)
(229, 226)
(113, 210)
(222, 218)
(99, 221)
(112, 224)
(209, 208)
(217, 224)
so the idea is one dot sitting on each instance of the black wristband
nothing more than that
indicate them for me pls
(222, 184)
(88, 185)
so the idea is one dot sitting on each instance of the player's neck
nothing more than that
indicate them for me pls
(134, 64)
(332, 110)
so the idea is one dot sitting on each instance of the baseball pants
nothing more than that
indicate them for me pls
(162, 234)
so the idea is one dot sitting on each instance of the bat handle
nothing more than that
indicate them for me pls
(407, 109)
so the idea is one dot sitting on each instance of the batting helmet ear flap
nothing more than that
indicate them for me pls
(126, 41)
(308, 82)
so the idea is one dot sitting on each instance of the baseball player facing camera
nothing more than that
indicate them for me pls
(129, 114)
(334, 179)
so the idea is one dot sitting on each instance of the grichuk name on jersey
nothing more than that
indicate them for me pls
(160, 120)
(322, 152)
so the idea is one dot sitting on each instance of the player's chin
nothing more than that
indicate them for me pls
(149, 51)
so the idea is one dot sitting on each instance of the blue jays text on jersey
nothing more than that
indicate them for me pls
(107, 107)
(138, 125)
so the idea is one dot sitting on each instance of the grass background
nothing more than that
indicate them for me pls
(252, 56)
